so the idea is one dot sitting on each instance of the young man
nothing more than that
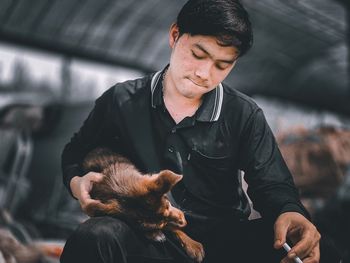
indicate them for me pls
(184, 119)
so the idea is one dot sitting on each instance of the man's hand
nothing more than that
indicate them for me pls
(302, 233)
(81, 187)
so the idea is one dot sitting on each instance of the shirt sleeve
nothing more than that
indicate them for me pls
(94, 132)
(270, 183)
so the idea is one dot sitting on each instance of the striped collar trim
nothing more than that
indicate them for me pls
(155, 79)
(211, 107)
(219, 97)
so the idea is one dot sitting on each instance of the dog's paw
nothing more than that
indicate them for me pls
(195, 250)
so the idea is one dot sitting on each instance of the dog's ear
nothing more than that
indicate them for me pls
(163, 182)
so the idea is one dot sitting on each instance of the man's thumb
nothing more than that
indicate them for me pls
(281, 228)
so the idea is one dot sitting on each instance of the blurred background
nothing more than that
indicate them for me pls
(58, 56)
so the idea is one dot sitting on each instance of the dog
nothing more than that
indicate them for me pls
(140, 199)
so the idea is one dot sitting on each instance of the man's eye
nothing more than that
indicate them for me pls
(196, 56)
(220, 67)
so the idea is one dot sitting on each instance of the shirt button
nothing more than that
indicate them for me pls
(171, 149)
(173, 130)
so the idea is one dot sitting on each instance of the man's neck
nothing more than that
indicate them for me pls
(178, 105)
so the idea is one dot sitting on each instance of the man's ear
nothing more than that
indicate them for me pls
(163, 182)
(174, 34)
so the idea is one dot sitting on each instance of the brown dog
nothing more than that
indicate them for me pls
(137, 198)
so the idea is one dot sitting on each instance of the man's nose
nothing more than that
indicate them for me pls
(203, 70)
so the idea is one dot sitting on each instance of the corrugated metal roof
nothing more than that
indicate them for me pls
(290, 37)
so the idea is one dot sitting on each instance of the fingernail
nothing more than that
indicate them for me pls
(292, 255)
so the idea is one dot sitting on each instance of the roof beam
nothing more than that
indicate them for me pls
(73, 52)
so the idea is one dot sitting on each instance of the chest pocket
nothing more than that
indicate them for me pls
(219, 164)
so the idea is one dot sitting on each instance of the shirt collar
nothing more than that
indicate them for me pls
(157, 88)
(212, 101)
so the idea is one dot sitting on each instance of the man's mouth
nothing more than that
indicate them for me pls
(197, 84)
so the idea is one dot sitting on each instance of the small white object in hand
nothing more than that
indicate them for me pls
(287, 248)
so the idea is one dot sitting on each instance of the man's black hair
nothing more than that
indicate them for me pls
(227, 20)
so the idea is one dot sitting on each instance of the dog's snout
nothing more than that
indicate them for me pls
(166, 213)
(177, 217)
(182, 222)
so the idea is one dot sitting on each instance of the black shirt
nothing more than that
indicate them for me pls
(228, 133)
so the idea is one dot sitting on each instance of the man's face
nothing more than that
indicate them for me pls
(198, 63)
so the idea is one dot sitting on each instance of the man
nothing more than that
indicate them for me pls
(184, 119)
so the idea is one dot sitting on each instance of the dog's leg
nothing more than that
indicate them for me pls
(193, 248)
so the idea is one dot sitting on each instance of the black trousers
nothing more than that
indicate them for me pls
(110, 240)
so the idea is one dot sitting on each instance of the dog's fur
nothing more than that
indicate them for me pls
(137, 198)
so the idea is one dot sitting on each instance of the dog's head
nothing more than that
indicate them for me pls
(156, 188)
(156, 200)
(140, 198)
